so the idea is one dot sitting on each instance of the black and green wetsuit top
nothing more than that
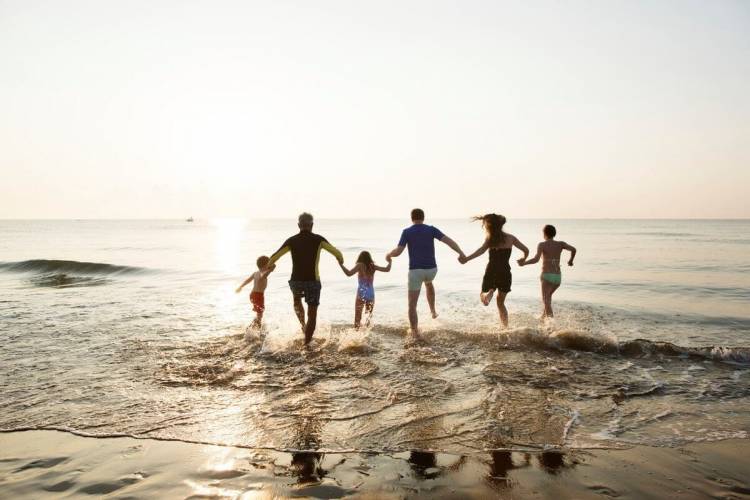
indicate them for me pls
(305, 247)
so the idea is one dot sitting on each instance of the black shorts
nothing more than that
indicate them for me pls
(310, 290)
(499, 279)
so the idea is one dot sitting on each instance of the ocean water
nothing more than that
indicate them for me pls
(133, 328)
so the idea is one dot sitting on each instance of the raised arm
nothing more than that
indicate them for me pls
(246, 282)
(479, 251)
(332, 250)
(572, 251)
(535, 258)
(279, 253)
(386, 268)
(268, 270)
(352, 271)
(517, 243)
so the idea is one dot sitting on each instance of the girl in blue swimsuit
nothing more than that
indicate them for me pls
(365, 269)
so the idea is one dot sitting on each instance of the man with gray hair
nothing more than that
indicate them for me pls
(305, 247)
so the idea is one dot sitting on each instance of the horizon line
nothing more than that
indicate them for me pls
(115, 219)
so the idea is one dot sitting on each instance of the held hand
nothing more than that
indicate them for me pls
(462, 259)
(521, 261)
(388, 258)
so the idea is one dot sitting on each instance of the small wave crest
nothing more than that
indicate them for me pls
(67, 273)
(62, 280)
(590, 342)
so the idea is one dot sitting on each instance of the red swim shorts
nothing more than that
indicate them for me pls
(258, 302)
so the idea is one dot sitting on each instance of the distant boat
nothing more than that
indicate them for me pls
(189, 219)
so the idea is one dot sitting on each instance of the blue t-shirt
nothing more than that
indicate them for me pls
(420, 240)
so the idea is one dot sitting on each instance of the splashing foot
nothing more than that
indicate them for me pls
(486, 297)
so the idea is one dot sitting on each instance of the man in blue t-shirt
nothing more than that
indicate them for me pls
(420, 239)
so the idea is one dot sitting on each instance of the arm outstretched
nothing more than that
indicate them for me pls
(244, 283)
(352, 271)
(517, 243)
(535, 258)
(479, 251)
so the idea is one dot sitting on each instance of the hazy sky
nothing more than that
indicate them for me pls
(133, 109)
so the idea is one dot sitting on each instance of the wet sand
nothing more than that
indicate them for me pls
(52, 464)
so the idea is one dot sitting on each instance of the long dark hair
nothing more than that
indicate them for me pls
(493, 226)
(366, 259)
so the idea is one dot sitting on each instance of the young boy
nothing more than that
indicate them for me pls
(260, 278)
(550, 250)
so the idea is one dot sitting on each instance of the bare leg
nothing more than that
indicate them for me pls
(430, 291)
(299, 310)
(547, 290)
(369, 306)
(501, 308)
(413, 318)
(486, 297)
(312, 319)
(358, 303)
(258, 319)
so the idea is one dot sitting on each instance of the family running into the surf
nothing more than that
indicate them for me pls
(419, 239)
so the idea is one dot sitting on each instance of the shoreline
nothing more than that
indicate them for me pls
(51, 463)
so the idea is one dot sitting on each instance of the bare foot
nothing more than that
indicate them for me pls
(486, 297)
(434, 314)
(414, 338)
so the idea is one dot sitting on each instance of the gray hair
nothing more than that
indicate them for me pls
(305, 220)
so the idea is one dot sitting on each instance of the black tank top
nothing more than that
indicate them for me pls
(499, 259)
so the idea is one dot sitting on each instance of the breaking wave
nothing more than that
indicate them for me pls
(68, 267)
(638, 348)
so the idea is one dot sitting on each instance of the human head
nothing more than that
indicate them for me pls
(549, 231)
(417, 215)
(493, 227)
(366, 259)
(305, 221)
(262, 261)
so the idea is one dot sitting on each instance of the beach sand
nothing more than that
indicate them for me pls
(52, 464)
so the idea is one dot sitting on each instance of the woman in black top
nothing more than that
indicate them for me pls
(497, 276)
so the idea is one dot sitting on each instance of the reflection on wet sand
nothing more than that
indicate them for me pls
(553, 462)
(306, 465)
(501, 465)
(40, 464)
(503, 462)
